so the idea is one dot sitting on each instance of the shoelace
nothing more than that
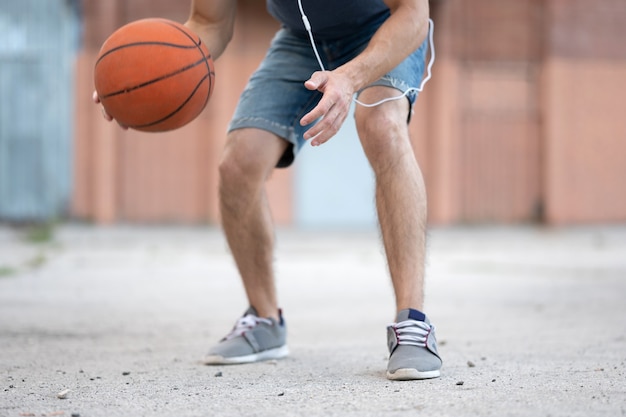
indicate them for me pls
(244, 324)
(412, 332)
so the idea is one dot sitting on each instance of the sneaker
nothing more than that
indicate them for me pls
(412, 348)
(253, 339)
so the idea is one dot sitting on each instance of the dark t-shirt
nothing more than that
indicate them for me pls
(329, 19)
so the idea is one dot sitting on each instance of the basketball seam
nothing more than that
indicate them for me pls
(154, 80)
(208, 75)
(146, 43)
(175, 110)
(205, 57)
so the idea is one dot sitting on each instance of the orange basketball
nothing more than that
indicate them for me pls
(154, 75)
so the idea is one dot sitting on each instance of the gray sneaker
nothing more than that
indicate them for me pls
(412, 348)
(253, 339)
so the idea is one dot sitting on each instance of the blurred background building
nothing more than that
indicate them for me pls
(522, 122)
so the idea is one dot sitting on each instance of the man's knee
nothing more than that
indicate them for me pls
(249, 157)
(383, 134)
(380, 124)
(235, 161)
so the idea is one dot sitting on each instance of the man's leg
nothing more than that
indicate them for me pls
(400, 192)
(249, 158)
(401, 205)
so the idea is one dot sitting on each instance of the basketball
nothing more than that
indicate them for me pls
(154, 75)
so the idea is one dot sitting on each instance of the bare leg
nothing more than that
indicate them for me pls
(400, 193)
(249, 158)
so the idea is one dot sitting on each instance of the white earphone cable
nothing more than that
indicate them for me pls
(431, 44)
(307, 26)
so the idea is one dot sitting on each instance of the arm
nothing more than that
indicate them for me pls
(397, 38)
(213, 21)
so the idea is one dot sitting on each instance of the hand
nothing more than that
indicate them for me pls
(106, 115)
(333, 108)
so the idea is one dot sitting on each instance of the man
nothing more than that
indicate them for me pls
(374, 49)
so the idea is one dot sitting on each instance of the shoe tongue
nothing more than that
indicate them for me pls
(410, 314)
(251, 310)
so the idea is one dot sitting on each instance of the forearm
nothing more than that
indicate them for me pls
(213, 21)
(398, 37)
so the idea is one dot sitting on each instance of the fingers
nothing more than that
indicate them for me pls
(322, 109)
(96, 99)
(317, 81)
(107, 116)
(333, 116)
(332, 109)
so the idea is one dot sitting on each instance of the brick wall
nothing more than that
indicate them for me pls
(131, 176)
(483, 162)
(521, 122)
(583, 87)
(523, 114)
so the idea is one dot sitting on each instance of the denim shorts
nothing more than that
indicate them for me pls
(275, 98)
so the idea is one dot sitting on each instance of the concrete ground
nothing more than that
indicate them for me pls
(531, 322)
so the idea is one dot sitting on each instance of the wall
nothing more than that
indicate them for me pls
(37, 46)
(584, 80)
(520, 123)
(483, 111)
(129, 176)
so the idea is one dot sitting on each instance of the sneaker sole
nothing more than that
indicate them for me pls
(409, 374)
(276, 353)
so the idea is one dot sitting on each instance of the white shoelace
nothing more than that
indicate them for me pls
(412, 332)
(244, 324)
